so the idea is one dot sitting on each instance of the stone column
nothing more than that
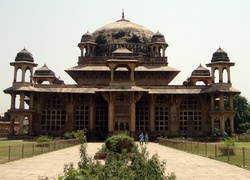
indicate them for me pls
(15, 74)
(222, 123)
(220, 75)
(222, 101)
(231, 102)
(228, 75)
(31, 102)
(91, 115)
(232, 124)
(69, 126)
(132, 116)
(152, 115)
(212, 102)
(23, 75)
(30, 125)
(111, 114)
(20, 118)
(212, 125)
(21, 101)
(13, 101)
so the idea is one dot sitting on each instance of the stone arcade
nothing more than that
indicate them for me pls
(122, 86)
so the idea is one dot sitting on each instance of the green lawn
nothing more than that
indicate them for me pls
(14, 150)
(218, 151)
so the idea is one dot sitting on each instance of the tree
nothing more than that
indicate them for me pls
(242, 107)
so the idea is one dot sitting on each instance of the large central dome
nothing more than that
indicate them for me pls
(122, 32)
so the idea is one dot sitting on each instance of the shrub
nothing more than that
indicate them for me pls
(118, 166)
(43, 138)
(119, 143)
(69, 135)
(228, 150)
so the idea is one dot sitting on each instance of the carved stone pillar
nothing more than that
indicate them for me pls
(91, 115)
(152, 114)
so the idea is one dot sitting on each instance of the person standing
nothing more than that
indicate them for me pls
(146, 138)
(141, 138)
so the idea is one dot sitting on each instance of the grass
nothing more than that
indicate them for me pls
(14, 150)
(212, 150)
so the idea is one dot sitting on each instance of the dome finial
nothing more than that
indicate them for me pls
(123, 17)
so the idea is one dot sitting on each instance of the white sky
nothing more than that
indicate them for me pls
(194, 30)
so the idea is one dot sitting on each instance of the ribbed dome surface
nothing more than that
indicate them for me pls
(201, 71)
(158, 37)
(122, 32)
(87, 37)
(44, 71)
(24, 55)
(220, 55)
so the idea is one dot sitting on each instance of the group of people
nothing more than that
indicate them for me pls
(143, 138)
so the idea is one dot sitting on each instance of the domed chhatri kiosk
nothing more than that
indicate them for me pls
(122, 86)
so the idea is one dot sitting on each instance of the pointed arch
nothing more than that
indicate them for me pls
(19, 74)
(225, 75)
(27, 77)
(216, 75)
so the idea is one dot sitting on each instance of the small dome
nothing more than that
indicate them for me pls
(158, 37)
(59, 81)
(44, 71)
(200, 71)
(87, 37)
(220, 55)
(24, 55)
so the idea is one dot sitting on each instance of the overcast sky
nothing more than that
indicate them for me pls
(194, 30)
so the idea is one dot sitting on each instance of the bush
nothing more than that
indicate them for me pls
(117, 166)
(43, 138)
(119, 143)
(229, 149)
(69, 135)
(80, 134)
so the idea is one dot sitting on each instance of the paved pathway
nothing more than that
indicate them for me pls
(186, 166)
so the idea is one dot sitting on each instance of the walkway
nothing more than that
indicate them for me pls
(186, 166)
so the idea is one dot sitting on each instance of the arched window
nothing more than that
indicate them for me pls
(142, 114)
(225, 75)
(161, 114)
(190, 114)
(82, 113)
(216, 76)
(53, 115)
(17, 101)
(19, 75)
(27, 75)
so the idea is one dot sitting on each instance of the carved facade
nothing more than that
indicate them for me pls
(122, 86)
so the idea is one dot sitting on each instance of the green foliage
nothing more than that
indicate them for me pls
(119, 143)
(217, 130)
(118, 166)
(244, 126)
(69, 135)
(242, 107)
(43, 138)
(230, 141)
(80, 134)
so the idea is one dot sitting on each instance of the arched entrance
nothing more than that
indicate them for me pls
(121, 113)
